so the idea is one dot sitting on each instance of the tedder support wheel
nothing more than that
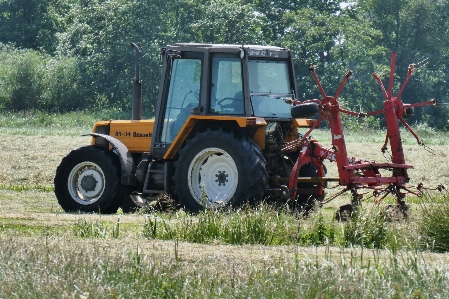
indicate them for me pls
(219, 168)
(88, 180)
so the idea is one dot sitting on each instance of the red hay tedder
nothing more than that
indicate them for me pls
(356, 174)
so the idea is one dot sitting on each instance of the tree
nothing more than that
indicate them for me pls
(228, 21)
(28, 23)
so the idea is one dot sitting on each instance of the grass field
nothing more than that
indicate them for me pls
(45, 253)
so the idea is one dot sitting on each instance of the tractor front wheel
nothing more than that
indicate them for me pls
(88, 180)
(219, 168)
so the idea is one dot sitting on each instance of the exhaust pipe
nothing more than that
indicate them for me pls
(137, 88)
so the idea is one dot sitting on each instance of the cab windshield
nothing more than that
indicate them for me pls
(269, 84)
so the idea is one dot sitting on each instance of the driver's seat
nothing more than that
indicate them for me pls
(238, 104)
(180, 120)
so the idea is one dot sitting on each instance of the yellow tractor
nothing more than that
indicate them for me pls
(223, 118)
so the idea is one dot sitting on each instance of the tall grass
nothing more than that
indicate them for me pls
(370, 228)
(433, 223)
(267, 226)
(96, 229)
(263, 225)
(58, 268)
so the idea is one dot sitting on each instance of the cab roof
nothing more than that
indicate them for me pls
(227, 46)
(254, 51)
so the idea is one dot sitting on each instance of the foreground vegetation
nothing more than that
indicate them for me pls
(45, 253)
(59, 268)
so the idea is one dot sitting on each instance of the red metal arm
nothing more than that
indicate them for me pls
(312, 69)
(420, 142)
(342, 84)
(392, 65)
(409, 74)
(381, 85)
(428, 103)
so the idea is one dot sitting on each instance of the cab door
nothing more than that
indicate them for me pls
(181, 93)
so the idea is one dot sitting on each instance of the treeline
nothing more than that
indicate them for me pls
(64, 55)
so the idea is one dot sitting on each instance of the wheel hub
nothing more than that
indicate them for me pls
(221, 178)
(88, 183)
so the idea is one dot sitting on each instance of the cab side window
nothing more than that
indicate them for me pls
(183, 94)
(227, 86)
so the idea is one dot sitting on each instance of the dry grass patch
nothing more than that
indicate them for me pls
(32, 160)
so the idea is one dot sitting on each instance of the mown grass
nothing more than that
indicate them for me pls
(32, 123)
(21, 188)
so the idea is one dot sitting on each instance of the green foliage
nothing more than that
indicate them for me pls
(20, 79)
(63, 89)
(29, 24)
(32, 80)
(360, 125)
(228, 21)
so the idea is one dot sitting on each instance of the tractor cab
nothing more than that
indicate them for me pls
(211, 83)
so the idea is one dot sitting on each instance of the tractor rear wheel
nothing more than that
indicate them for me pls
(219, 168)
(88, 180)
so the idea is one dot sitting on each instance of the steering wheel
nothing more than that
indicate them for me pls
(196, 94)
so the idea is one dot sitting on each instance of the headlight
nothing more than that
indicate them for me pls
(99, 140)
